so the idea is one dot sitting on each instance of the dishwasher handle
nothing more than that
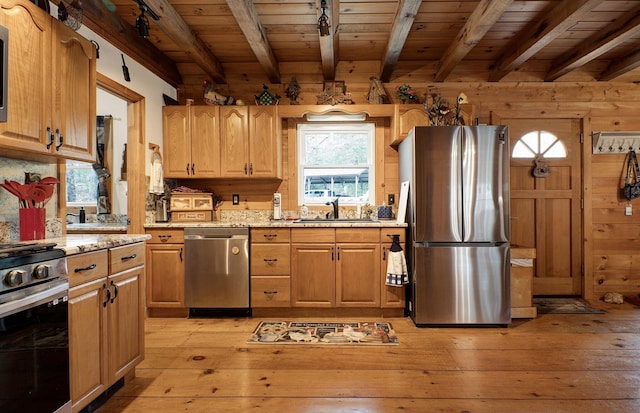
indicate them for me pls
(214, 236)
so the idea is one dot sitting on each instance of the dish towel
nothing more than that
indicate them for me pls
(156, 183)
(397, 274)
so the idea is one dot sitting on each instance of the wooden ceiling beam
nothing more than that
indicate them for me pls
(172, 24)
(526, 44)
(620, 67)
(247, 17)
(484, 16)
(111, 27)
(329, 44)
(617, 33)
(406, 14)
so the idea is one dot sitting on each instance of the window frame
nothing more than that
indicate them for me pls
(369, 128)
(77, 165)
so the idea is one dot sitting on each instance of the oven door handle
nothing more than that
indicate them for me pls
(27, 298)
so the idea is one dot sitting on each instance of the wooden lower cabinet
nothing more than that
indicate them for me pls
(165, 269)
(390, 296)
(106, 330)
(270, 268)
(343, 270)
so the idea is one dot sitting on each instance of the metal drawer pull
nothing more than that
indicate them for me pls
(128, 257)
(115, 291)
(107, 295)
(270, 260)
(91, 267)
(270, 292)
(270, 236)
(164, 238)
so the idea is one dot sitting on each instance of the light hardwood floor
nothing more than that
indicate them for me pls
(554, 363)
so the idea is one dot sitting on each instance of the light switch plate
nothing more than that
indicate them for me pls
(391, 199)
(236, 199)
(628, 211)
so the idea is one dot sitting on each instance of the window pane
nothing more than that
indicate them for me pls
(324, 184)
(82, 184)
(335, 149)
(335, 161)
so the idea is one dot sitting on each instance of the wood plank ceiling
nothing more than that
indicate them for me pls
(486, 40)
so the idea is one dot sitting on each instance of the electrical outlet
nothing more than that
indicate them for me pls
(391, 199)
(628, 211)
(236, 199)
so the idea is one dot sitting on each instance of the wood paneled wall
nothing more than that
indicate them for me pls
(611, 244)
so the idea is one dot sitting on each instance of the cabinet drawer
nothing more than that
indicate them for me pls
(270, 292)
(314, 235)
(272, 235)
(270, 259)
(191, 202)
(166, 236)
(357, 235)
(125, 257)
(386, 234)
(87, 267)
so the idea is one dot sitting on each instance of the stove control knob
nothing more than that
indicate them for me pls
(41, 272)
(14, 278)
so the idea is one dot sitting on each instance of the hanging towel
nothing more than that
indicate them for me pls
(397, 274)
(156, 183)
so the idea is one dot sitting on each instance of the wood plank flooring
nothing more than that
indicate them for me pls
(554, 363)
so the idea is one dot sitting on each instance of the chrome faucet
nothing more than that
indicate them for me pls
(334, 203)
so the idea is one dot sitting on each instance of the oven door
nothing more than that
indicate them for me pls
(34, 349)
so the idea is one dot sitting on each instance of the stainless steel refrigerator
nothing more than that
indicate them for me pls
(458, 216)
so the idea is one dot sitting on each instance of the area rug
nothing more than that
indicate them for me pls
(344, 333)
(561, 305)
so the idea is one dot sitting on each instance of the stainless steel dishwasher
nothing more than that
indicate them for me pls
(217, 271)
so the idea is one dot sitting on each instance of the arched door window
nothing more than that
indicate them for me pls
(538, 143)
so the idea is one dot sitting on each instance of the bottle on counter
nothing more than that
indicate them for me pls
(82, 216)
(304, 211)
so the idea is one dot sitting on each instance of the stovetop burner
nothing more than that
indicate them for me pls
(14, 255)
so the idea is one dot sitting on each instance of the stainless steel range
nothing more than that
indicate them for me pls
(34, 329)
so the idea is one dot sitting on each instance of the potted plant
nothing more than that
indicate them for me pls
(406, 93)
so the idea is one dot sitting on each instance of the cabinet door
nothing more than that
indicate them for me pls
(125, 322)
(358, 275)
(410, 116)
(87, 342)
(390, 296)
(29, 95)
(74, 89)
(234, 132)
(313, 281)
(165, 276)
(176, 142)
(264, 142)
(205, 142)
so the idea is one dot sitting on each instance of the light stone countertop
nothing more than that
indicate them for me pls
(93, 227)
(282, 224)
(77, 244)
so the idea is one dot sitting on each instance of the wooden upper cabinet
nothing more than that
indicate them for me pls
(264, 142)
(52, 85)
(29, 93)
(234, 142)
(191, 141)
(74, 89)
(250, 142)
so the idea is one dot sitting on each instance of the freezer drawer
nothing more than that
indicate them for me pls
(461, 285)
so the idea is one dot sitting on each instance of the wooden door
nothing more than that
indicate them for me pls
(74, 90)
(313, 282)
(29, 87)
(125, 322)
(357, 275)
(546, 211)
(165, 276)
(87, 342)
(205, 141)
(264, 142)
(234, 142)
(176, 141)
